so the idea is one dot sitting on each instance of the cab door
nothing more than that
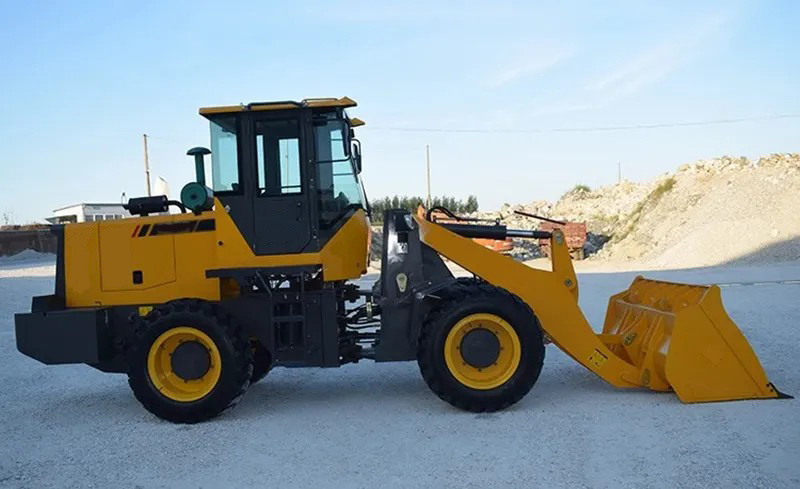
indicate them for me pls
(281, 204)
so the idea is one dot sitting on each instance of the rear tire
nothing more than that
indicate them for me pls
(492, 310)
(262, 361)
(216, 386)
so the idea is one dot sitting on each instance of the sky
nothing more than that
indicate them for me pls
(502, 92)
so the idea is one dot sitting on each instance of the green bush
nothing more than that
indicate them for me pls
(650, 201)
(663, 188)
(580, 189)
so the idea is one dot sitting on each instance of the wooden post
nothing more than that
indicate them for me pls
(146, 166)
(428, 165)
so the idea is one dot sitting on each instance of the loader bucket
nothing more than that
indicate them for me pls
(680, 337)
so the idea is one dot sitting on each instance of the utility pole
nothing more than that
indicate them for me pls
(146, 165)
(428, 165)
(619, 172)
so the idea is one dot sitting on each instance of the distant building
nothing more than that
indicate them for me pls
(86, 212)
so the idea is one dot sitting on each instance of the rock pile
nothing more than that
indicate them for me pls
(722, 210)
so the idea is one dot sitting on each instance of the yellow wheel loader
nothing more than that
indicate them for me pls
(257, 270)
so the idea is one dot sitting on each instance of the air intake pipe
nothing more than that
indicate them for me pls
(195, 195)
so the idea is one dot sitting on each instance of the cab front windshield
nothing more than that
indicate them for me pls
(339, 189)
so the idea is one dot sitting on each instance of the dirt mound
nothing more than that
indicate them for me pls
(602, 209)
(26, 256)
(724, 210)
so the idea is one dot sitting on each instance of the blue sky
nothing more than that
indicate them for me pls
(82, 81)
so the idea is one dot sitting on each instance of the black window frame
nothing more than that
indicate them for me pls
(239, 159)
(300, 155)
(339, 115)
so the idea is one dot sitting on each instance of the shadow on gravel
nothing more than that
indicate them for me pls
(286, 393)
(787, 250)
(289, 391)
(783, 252)
(568, 382)
(405, 390)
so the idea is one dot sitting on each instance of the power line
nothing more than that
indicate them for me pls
(591, 128)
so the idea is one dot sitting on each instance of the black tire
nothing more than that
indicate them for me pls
(262, 362)
(229, 339)
(457, 302)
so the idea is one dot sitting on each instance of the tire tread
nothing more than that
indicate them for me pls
(242, 356)
(452, 299)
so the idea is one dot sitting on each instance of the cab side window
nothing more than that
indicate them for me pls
(224, 155)
(278, 157)
(338, 188)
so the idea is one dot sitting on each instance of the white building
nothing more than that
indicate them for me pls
(86, 212)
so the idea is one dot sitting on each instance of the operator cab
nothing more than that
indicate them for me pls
(287, 172)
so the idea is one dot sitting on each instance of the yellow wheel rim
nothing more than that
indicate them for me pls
(168, 383)
(495, 374)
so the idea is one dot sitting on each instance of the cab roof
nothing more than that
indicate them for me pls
(314, 103)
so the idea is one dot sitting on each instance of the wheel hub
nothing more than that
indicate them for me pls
(184, 364)
(482, 351)
(480, 348)
(190, 360)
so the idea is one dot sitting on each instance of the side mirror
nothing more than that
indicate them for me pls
(357, 154)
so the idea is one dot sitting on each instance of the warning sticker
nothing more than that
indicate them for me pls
(597, 359)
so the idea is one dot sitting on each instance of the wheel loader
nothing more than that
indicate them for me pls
(260, 270)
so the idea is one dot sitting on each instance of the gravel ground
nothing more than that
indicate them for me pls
(370, 425)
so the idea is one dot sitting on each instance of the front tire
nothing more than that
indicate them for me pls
(262, 361)
(189, 361)
(481, 348)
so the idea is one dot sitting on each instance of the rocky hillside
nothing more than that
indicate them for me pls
(725, 210)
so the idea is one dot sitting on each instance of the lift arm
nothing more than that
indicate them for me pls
(553, 297)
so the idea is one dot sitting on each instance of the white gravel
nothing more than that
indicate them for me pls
(370, 425)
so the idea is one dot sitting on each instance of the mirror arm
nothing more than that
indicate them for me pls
(356, 154)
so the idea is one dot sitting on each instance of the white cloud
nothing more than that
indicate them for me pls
(534, 60)
(658, 61)
(644, 69)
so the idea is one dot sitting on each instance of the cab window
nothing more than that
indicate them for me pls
(338, 187)
(224, 155)
(278, 157)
